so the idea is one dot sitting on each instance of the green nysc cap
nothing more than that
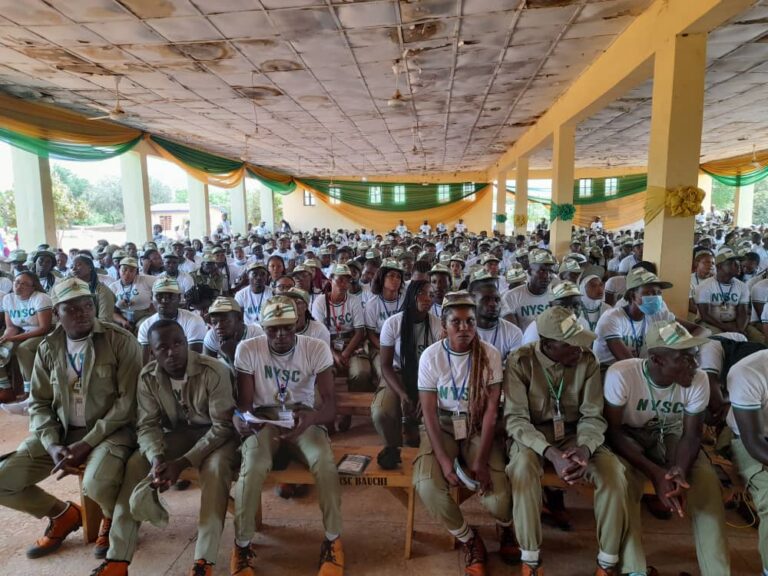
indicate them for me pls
(559, 324)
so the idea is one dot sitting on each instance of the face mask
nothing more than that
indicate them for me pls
(651, 305)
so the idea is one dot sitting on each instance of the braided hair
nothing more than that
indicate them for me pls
(93, 277)
(479, 378)
(409, 358)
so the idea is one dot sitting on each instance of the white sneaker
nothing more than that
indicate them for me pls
(17, 408)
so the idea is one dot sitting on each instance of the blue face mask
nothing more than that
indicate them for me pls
(651, 305)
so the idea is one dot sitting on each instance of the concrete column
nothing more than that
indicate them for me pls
(238, 213)
(33, 191)
(705, 183)
(267, 203)
(521, 193)
(673, 156)
(743, 205)
(199, 215)
(501, 201)
(134, 181)
(563, 156)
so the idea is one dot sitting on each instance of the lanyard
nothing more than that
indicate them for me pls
(637, 342)
(434, 308)
(282, 389)
(127, 295)
(458, 395)
(654, 405)
(337, 316)
(587, 312)
(725, 299)
(559, 393)
(253, 305)
(71, 358)
(387, 310)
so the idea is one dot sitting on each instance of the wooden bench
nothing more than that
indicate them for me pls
(91, 514)
(354, 403)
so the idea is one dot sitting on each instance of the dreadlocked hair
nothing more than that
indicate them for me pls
(479, 378)
(409, 358)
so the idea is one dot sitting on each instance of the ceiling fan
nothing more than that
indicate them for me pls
(115, 113)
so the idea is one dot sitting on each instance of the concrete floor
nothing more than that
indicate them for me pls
(373, 535)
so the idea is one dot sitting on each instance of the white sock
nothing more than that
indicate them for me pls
(506, 524)
(330, 536)
(242, 543)
(530, 557)
(27, 387)
(5, 383)
(606, 560)
(463, 534)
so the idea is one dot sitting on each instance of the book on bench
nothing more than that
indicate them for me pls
(353, 464)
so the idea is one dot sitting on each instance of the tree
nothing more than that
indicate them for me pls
(106, 201)
(8, 209)
(760, 206)
(159, 192)
(78, 187)
(68, 209)
(722, 196)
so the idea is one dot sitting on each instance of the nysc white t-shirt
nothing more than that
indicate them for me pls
(296, 369)
(135, 296)
(748, 387)
(377, 310)
(194, 327)
(447, 373)
(616, 324)
(505, 337)
(722, 298)
(524, 304)
(23, 313)
(625, 385)
(252, 303)
(212, 342)
(426, 334)
(344, 317)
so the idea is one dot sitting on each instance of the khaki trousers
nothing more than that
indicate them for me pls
(313, 448)
(216, 473)
(604, 471)
(22, 470)
(755, 476)
(434, 490)
(703, 504)
(25, 354)
(387, 416)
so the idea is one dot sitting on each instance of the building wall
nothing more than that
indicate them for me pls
(300, 217)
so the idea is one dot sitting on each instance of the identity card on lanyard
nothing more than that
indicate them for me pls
(77, 385)
(558, 421)
(459, 419)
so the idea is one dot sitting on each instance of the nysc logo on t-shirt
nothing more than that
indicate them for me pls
(532, 309)
(445, 391)
(22, 314)
(718, 298)
(270, 372)
(660, 406)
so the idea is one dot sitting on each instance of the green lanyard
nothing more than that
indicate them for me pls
(654, 405)
(552, 390)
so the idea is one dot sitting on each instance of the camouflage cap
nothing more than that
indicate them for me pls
(278, 311)
(558, 323)
(166, 285)
(69, 289)
(671, 335)
(223, 304)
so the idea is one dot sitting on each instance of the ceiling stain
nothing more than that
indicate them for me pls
(258, 92)
(205, 51)
(150, 8)
(62, 60)
(533, 4)
(421, 32)
(280, 66)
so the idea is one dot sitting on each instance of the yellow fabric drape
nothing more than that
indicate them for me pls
(51, 123)
(737, 165)
(372, 218)
(656, 199)
(615, 214)
(226, 180)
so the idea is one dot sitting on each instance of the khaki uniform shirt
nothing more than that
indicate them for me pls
(110, 371)
(529, 406)
(207, 400)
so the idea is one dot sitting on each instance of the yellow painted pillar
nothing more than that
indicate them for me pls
(743, 205)
(563, 156)
(705, 183)
(521, 195)
(134, 182)
(238, 214)
(501, 201)
(33, 192)
(199, 214)
(673, 156)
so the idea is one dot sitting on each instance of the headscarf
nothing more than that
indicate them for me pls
(591, 309)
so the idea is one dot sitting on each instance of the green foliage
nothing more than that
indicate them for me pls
(78, 187)
(760, 206)
(8, 209)
(69, 210)
(159, 192)
(106, 201)
(723, 196)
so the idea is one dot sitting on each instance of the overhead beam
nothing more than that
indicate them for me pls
(627, 63)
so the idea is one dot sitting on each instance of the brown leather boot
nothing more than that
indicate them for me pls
(475, 556)
(612, 571)
(7, 396)
(101, 547)
(111, 568)
(331, 558)
(241, 561)
(530, 570)
(58, 529)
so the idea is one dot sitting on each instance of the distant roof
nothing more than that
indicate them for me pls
(175, 207)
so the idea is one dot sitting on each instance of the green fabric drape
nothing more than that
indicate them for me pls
(624, 186)
(64, 151)
(197, 159)
(744, 179)
(387, 195)
(565, 212)
(282, 188)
